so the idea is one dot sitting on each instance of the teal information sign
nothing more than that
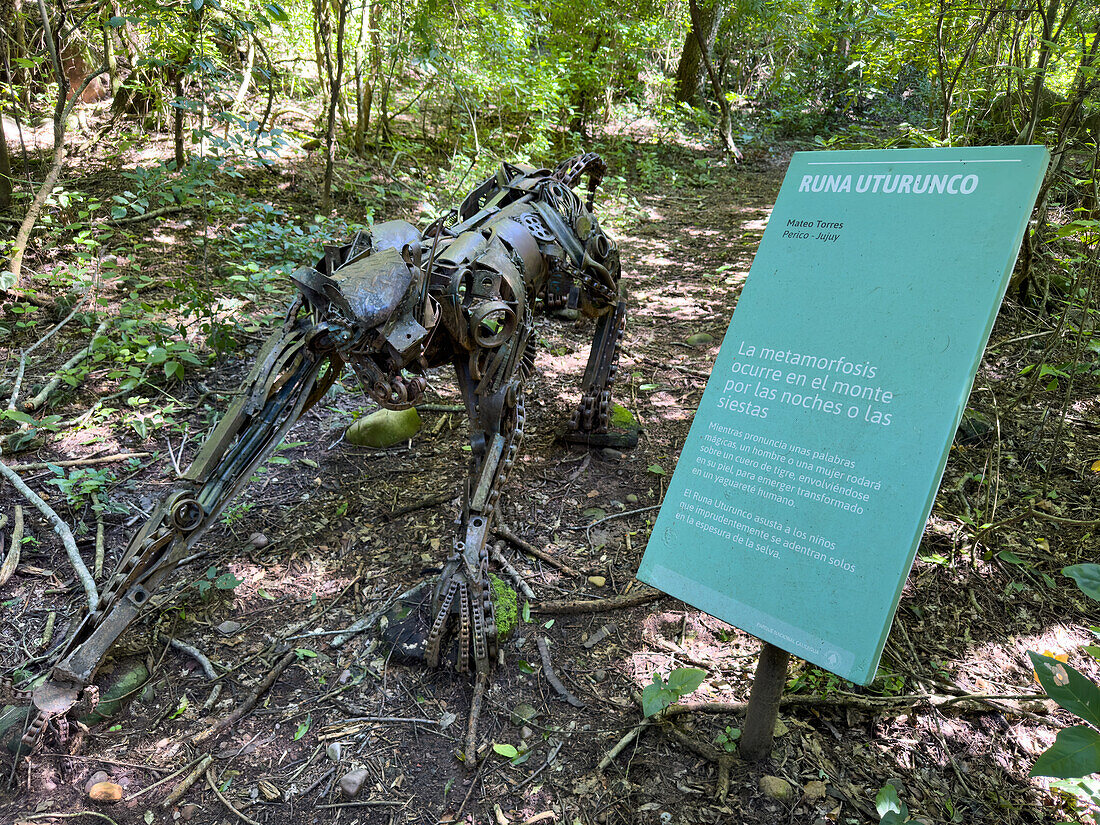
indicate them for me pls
(813, 461)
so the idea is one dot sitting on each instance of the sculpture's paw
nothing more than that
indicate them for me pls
(619, 432)
(51, 704)
(452, 621)
(463, 610)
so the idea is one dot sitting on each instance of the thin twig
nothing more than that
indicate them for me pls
(530, 549)
(599, 605)
(214, 787)
(62, 530)
(71, 815)
(146, 216)
(76, 462)
(228, 721)
(552, 677)
(550, 757)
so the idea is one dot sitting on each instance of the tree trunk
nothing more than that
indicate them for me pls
(1047, 44)
(109, 56)
(334, 80)
(5, 172)
(725, 126)
(365, 94)
(691, 70)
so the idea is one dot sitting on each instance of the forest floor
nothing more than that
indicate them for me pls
(954, 722)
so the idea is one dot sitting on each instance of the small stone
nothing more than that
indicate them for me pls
(352, 783)
(105, 792)
(526, 732)
(95, 779)
(814, 791)
(597, 581)
(599, 675)
(780, 729)
(567, 314)
(777, 788)
(189, 810)
(229, 627)
(631, 498)
(258, 540)
(611, 454)
(333, 752)
(700, 339)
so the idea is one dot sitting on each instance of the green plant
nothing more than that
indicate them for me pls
(814, 680)
(727, 739)
(891, 810)
(225, 581)
(659, 694)
(1075, 753)
(80, 485)
(235, 512)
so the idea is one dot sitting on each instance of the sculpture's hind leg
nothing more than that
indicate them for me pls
(592, 423)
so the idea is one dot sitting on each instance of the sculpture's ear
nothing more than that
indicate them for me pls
(411, 254)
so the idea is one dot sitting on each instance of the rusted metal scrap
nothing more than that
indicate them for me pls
(393, 304)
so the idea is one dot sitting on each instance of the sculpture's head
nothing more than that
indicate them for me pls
(374, 291)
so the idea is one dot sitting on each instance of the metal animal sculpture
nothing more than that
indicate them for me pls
(392, 304)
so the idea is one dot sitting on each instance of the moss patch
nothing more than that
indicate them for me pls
(505, 605)
(622, 417)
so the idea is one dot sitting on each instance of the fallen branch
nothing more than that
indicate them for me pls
(875, 704)
(40, 399)
(629, 737)
(518, 580)
(552, 677)
(145, 216)
(207, 668)
(530, 549)
(11, 560)
(182, 788)
(23, 355)
(253, 698)
(599, 605)
(431, 501)
(62, 530)
(724, 761)
(77, 462)
(480, 687)
(214, 787)
(70, 816)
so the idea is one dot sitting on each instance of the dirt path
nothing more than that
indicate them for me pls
(334, 554)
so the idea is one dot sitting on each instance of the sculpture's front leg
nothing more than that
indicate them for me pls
(288, 377)
(462, 598)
